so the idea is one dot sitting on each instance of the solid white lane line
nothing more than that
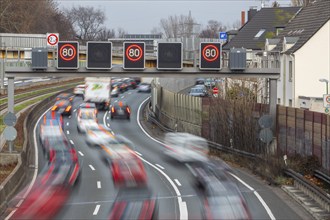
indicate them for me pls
(92, 168)
(138, 153)
(67, 124)
(177, 182)
(98, 184)
(71, 141)
(182, 205)
(68, 132)
(263, 203)
(96, 210)
(160, 166)
(20, 203)
(81, 154)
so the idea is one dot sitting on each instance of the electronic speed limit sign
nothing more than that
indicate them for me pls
(67, 55)
(210, 56)
(134, 55)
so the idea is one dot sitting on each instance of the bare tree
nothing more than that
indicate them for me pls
(236, 25)
(156, 30)
(178, 26)
(87, 22)
(275, 4)
(105, 34)
(212, 29)
(121, 32)
(301, 2)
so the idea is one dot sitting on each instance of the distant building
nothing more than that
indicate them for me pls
(305, 57)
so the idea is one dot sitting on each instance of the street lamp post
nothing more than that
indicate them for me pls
(327, 84)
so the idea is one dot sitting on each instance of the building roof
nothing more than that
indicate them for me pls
(305, 24)
(262, 25)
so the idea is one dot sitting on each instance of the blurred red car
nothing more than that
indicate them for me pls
(134, 204)
(128, 172)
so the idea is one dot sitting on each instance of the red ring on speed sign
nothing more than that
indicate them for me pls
(215, 57)
(327, 99)
(129, 57)
(49, 37)
(70, 57)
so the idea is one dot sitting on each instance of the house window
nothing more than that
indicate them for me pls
(279, 30)
(290, 102)
(279, 101)
(259, 33)
(290, 71)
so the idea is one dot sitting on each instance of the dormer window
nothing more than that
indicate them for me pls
(259, 33)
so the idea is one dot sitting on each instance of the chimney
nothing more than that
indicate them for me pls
(251, 13)
(242, 18)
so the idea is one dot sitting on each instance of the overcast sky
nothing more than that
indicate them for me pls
(139, 17)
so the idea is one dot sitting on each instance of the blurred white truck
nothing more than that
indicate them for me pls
(97, 90)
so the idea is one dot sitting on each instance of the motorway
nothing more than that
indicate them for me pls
(171, 183)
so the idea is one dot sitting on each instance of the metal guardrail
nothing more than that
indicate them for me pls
(319, 174)
(316, 190)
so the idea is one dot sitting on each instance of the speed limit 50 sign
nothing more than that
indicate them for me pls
(67, 55)
(134, 55)
(210, 56)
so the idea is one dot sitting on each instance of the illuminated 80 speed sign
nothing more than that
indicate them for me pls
(210, 56)
(134, 55)
(67, 55)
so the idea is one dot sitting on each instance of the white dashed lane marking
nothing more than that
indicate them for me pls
(177, 182)
(92, 168)
(96, 210)
(68, 132)
(138, 153)
(67, 124)
(81, 154)
(71, 141)
(98, 184)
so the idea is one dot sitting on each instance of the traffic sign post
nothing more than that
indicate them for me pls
(215, 92)
(134, 57)
(67, 55)
(99, 55)
(210, 56)
(169, 56)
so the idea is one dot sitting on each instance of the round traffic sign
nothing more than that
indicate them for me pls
(10, 119)
(327, 99)
(266, 121)
(210, 53)
(134, 52)
(326, 110)
(52, 39)
(215, 90)
(67, 52)
(266, 135)
(10, 133)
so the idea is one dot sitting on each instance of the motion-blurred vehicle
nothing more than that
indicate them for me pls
(115, 92)
(95, 136)
(79, 90)
(51, 129)
(65, 96)
(85, 118)
(63, 107)
(209, 82)
(121, 110)
(128, 171)
(198, 92)
(131, 84)
(185, 147)
(222, 199)
(97, 90)
(53, 115)
(144, 87)
(120, 85)
(134, 204)
(199, 81)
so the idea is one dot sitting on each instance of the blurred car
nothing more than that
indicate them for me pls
(121, 85)
(63, 107)
(223, 200)
(53, 115)
(115, 92)
(144, 87)
(199, 81)
(198, 92)
(121, 110)
(131, 84)
(137, 80)
(128, 171)
(65, 96)
(50, 130)
(95, 136)
(210, 83)
(79, 90)
(185, 147)
(134, 204)
(87, 105)
(86, 122)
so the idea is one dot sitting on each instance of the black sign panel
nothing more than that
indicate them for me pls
(210, 56)
(134, 55)
(169, 56)
(99, 55)
(67, 55)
